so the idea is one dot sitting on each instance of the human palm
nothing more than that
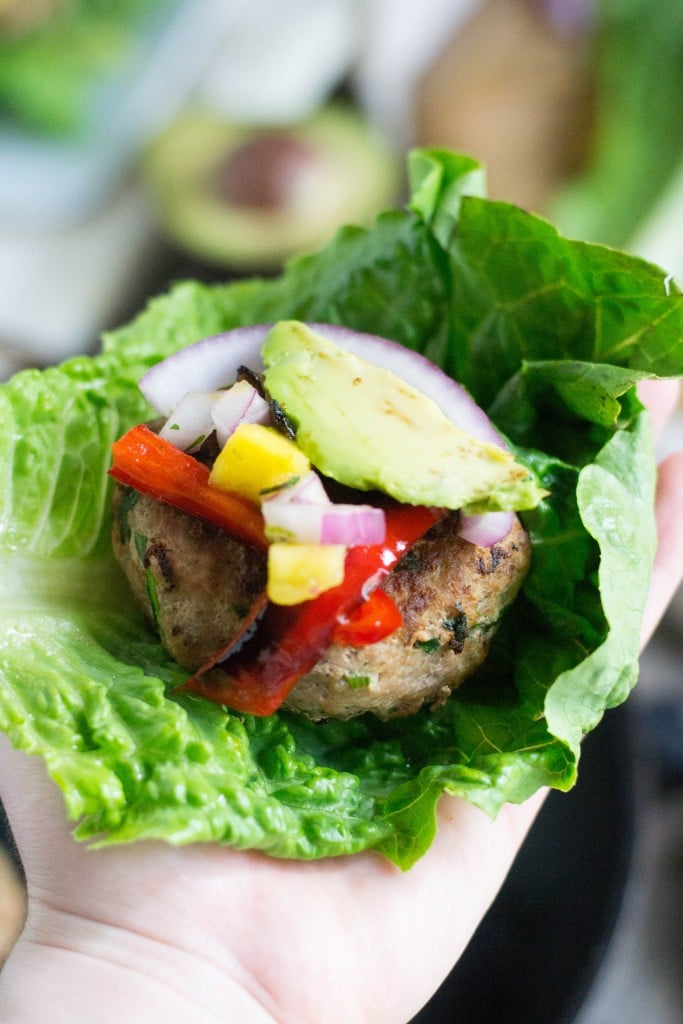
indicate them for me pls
(203, 933)
(350, 939)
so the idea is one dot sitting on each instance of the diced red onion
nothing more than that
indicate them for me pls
(240, 403)
(308, 490)
(190, 421)
(486, 529)
(348, 525)
(353, 524)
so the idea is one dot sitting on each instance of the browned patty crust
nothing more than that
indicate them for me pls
(196, 585)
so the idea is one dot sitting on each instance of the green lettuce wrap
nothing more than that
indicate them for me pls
(550, 336)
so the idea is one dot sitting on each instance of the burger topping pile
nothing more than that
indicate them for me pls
(355, 427)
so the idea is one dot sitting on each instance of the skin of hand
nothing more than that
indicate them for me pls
(206, 934)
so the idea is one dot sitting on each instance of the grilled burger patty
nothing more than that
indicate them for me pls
(196, 584)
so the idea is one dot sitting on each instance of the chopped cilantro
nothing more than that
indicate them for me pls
(430, 646)
(153, 596)
(140, 544)
(357, 682)
(291, 482)
(129, 499)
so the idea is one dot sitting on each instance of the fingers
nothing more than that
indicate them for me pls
(435, 908)
(661, 397)
(667, 572)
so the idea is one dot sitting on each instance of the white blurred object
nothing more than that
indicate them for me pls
(48, 183)
(74, 235)
(400, 38)
(73, 238)
(58, 290)
(280, 61)
(660, 239)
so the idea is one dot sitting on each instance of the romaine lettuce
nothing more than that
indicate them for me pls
(551, 336)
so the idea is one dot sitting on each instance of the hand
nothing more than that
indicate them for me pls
(662, 397)
(155, 934)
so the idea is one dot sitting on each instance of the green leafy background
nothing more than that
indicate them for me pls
(52, 72)
(636, 143)
(550, 336)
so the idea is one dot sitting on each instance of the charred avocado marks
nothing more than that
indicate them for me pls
(248, 198)
(365, 427)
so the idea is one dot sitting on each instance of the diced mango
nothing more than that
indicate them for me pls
(256, 460)
(299, 572)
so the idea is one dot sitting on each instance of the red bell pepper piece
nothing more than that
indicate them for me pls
(145, 461)
(369, 622)
(258, 675)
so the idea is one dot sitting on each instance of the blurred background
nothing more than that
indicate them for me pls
(144, 141)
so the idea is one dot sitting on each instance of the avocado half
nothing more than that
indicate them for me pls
(248, 198)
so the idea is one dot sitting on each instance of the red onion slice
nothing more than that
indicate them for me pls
(207, 365)
(454, 401)
(487, 528)
(214, 362)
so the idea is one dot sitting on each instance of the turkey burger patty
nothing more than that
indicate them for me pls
(196, 585)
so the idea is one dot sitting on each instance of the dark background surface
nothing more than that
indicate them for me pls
(536, 953)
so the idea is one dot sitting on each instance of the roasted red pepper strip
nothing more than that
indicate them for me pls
(145, 461)
(373, 620)
(288, 641)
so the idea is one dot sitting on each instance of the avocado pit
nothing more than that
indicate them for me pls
(265, 172)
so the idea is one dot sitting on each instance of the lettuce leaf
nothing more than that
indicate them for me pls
(551, 336)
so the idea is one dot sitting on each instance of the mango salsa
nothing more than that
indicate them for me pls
(299, 572)
(257, 460)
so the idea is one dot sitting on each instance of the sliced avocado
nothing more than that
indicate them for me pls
(365, 427)
(249, 198)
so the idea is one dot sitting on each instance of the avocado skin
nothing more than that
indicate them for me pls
(340, 170)
(363, 426)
